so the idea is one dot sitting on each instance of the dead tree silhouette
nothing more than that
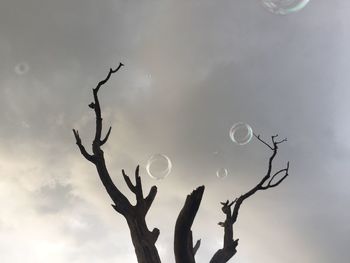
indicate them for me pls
(142, 238)
(268, 181)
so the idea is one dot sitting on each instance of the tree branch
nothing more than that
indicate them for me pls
(96, 106)
(271, 184)
(150, 197)
(196, 246)
(128, 182)
(258, 137)
(183, 244)
(229, 248)
(111, 71)
(138, 185)
(98, 159)
(143, 240)
(137, 189)
(107, 136)
(82, 149)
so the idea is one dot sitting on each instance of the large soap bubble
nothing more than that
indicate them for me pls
(284, 7)
(158, 166)
(241, 133)
(22, 68)
(222, 173)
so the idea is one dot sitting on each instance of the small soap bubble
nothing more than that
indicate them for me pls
(158, 166)
(284, 7)
(241, 133)
(222, 173)
(22, 68)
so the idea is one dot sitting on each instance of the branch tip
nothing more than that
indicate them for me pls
(196, 246)
(107, 136)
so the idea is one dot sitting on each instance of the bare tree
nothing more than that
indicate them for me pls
(230, 244)
(142, 238)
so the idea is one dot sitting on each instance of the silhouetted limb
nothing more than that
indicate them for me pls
(143, 239)
(230, 244)
(229, 247)
(183, 242)
(196, 247)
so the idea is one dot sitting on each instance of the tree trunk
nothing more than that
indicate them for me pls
(225, 254)
(183, 243)
(143, 240)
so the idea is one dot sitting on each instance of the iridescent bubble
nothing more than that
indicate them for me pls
(222, 173)
(241, 133)
(284, 7)
(158, 166)
(22, 68)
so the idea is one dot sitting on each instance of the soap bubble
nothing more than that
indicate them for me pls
(241, 133)
(222, 173)
(22, 68)
(158, 166)
(284, 7)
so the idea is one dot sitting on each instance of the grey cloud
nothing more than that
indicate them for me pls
(52, 199)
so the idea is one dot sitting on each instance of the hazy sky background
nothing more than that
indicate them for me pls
(193, 68)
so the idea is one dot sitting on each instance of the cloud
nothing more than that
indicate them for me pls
(192, 70)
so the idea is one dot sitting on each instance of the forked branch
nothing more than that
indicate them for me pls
(268, 181)
(143, 239)
(82, 149)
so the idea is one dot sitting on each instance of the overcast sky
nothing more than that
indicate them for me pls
(192, 69)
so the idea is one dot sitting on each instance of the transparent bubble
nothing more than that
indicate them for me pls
(222, 173)
(22, 68)
(284, 7)
(241, 133)
(158, 166)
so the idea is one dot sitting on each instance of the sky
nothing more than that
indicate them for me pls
(192, 69)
